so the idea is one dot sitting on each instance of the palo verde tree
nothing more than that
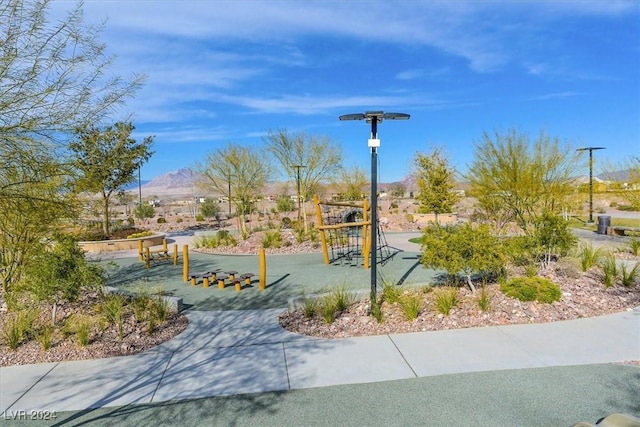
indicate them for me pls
(54, 75)
(107, 160)
(522, 179)
(312, 159)
(436, 183)
(242, 171)
(468, 249)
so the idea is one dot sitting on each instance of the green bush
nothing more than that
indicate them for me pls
(629, 275)
(199, 218)
(212, 241)
(484, 301)
(588, 255)
(140, 234)
(634, 246)
(531, 289)
(272, 239)
(391, 293)
(161, 220)
(609, 266)
(446, 299)
(179, 220)
(411, 305)
(309, 307)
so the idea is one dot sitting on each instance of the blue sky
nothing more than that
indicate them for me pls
(228, 71)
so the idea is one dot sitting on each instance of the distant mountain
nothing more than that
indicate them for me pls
(178, 183)
(182, 178)
(619, 176)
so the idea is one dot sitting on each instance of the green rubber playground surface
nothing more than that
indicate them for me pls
(287, 276)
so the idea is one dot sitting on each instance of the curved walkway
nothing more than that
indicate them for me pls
(232, 367)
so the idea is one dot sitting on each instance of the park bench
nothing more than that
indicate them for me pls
(623, 231)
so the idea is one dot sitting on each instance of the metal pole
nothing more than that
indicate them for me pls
(139, 188)
(297, 167)
(590, 149)
(374, 213)
(590, 186)
(229, 196)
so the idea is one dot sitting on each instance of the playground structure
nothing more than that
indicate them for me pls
(345, 233)
(148, 255)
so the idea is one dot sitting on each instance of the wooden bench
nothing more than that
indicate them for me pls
(622, 231)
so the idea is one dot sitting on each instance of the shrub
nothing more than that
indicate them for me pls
(272, 239)
(15, 328)
(484, 301)
(44, 336)
(341, 298)
(446, 299)
(161, 220)
(411, 305)
(212, 241)
(628, 275)
(531, 289)
(328, 309)
(179, 220)
(391, 293)
(609, 266)
(634, 246)
(199, 218)
(160, 308)
(309, 307)
(82, 328)
(588, 256)
(140, 234)
(376, 311)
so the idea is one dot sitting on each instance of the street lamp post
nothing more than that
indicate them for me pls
(297, 168)
(591, 149)
(374, 117)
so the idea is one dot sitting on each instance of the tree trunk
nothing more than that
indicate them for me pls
(470, 283)
(105, 224)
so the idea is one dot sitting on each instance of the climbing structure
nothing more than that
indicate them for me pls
(345, 233)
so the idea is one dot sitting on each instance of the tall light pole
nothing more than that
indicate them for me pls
(591, 149)
(297, 168)
(374, 117)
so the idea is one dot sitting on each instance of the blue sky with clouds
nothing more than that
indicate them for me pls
(228, 71)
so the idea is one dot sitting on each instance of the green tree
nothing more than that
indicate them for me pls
(108, 159)
(465, 248)
(242, 169)
(54, 75)
(210, 208)
(314, 159)
(523, 179)
(436, 183)
(552, 236)
(144, 211)
(350, 183)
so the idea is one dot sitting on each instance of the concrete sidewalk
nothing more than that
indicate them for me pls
(239, 352)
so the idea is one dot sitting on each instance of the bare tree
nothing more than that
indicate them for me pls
(243, 170)
(311, 159)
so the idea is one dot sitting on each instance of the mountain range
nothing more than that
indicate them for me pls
(181, 183)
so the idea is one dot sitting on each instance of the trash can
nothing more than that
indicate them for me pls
(604, 222)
